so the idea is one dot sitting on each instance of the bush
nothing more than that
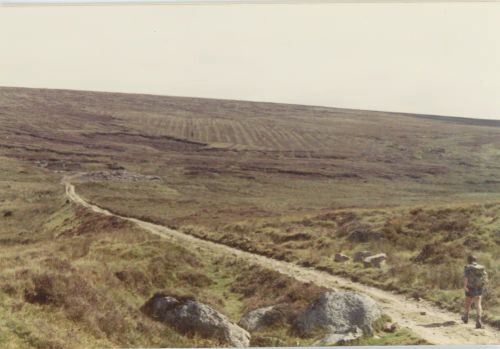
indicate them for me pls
(68, 291)
(447, 276)
(262, 287)
(8, 213)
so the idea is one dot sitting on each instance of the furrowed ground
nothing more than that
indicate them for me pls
(292, 182)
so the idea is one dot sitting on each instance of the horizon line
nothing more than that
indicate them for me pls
(495, 122)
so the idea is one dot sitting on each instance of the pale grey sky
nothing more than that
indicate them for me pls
(436, 58)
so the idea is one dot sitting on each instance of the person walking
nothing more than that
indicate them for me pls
(475, 279)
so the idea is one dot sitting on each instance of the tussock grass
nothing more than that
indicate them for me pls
(79, 280)
(426, 247)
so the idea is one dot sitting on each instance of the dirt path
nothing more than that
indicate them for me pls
(427, 321)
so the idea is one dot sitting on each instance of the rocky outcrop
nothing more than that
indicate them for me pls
(375, 261)
(339, 257)
(262, 318)
(338, 313)
(117, 175)
(191, 317)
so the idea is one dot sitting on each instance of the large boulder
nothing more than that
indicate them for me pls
(338, 313)
(189, 316)
(262, 318)
(375, 261)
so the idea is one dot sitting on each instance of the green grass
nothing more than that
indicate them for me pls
(233, 303)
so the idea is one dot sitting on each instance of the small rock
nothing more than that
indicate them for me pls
(339, 257)
(423, 313)
(390, 328)
(375, 261)
(340, 338)
(416, 296)
(359, 256)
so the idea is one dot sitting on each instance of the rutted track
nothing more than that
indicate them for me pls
(435, 325)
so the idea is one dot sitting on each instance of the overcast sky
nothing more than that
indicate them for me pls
(437, 58)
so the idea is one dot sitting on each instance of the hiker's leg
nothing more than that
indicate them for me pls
(479, 310)
(468, 302)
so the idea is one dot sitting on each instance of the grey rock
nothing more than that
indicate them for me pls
(375, 261)
(161, 305)
(338, 312)
(390, 327)
(340, 257)
(262, 318)
(340, 338)
(359, 256)
(190, 316)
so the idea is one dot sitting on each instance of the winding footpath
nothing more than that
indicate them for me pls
(435, 325)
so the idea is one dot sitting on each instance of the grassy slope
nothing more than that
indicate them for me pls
(224, 161)
(74, 279)
(253, 175)
(441, 236)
